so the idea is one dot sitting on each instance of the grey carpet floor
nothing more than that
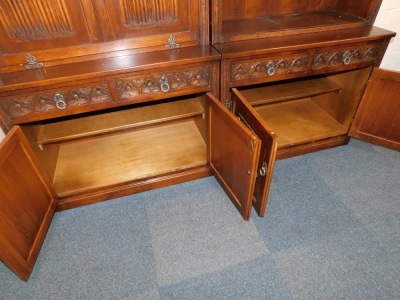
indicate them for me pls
(331, 232)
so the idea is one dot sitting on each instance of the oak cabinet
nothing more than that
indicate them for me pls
(92, 158)
(105, 98)
(46, 33)
(101, 99)
(302, 66)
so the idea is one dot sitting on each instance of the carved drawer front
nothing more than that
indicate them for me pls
(268, 66)
(327, 58)
(37, 106)
(163, 82)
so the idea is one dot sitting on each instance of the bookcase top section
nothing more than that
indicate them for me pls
(234, 20)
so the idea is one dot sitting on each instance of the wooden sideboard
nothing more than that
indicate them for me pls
(302, 68)
(105, 98)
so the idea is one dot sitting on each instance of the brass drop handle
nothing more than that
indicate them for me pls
(60, 101)
(270, 68)
(346, 58)
(164, 84)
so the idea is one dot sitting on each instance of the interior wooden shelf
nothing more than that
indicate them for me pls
(292, 23)
(289, 90)
(300, 121)
(120, 120)
(130, 155)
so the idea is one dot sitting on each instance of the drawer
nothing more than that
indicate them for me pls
(55, 103)
(268, 68)
(164, 83)
(350, 55)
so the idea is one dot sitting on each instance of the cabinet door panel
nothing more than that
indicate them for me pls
(244, 111)
(148, 20)
(32, 25)
(27, 204)
(233, 153)
(378, 117)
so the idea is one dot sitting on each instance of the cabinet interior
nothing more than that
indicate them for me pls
(105, 149)
(306, 110)
(240, 20)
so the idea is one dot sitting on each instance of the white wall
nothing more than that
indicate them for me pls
(388, 18)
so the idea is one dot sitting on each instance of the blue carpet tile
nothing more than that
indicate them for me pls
(331, 231)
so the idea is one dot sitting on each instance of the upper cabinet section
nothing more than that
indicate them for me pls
(141, 19)
(28, 25)
(234, 20)
(34, 33)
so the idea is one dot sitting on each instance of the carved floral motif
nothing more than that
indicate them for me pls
(130, 87)
(268, 67)
(23, 105)
(345, 56)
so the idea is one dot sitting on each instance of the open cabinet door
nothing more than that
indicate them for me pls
(246, 113)
(378, 118)
(27, 204)
(233, 155)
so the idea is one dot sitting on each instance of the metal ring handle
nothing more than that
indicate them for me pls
(346, 58)
(271, 69)
(164, 85)
(60, 101)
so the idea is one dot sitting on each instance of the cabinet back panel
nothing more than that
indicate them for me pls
(104, 123)
(239, 9)
(363, 9)
(344, 106)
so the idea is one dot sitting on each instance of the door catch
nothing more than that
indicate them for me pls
(263, 170)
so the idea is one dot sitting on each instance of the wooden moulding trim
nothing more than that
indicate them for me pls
(302, 41)
(377, 140)
(133, 187)
(312, 147)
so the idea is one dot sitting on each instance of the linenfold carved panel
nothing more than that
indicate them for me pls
(22, 105)
(267, 67)
(345, 56)
(35, 19)
(130, 87)
(138, 18)
(141, 13)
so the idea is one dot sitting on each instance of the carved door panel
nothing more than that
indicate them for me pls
(234, 151)
(33, 25)
(246, 113)
(27, 204)
(378, 117)
(153, 22)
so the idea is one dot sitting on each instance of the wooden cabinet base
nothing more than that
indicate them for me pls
(131, 188)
